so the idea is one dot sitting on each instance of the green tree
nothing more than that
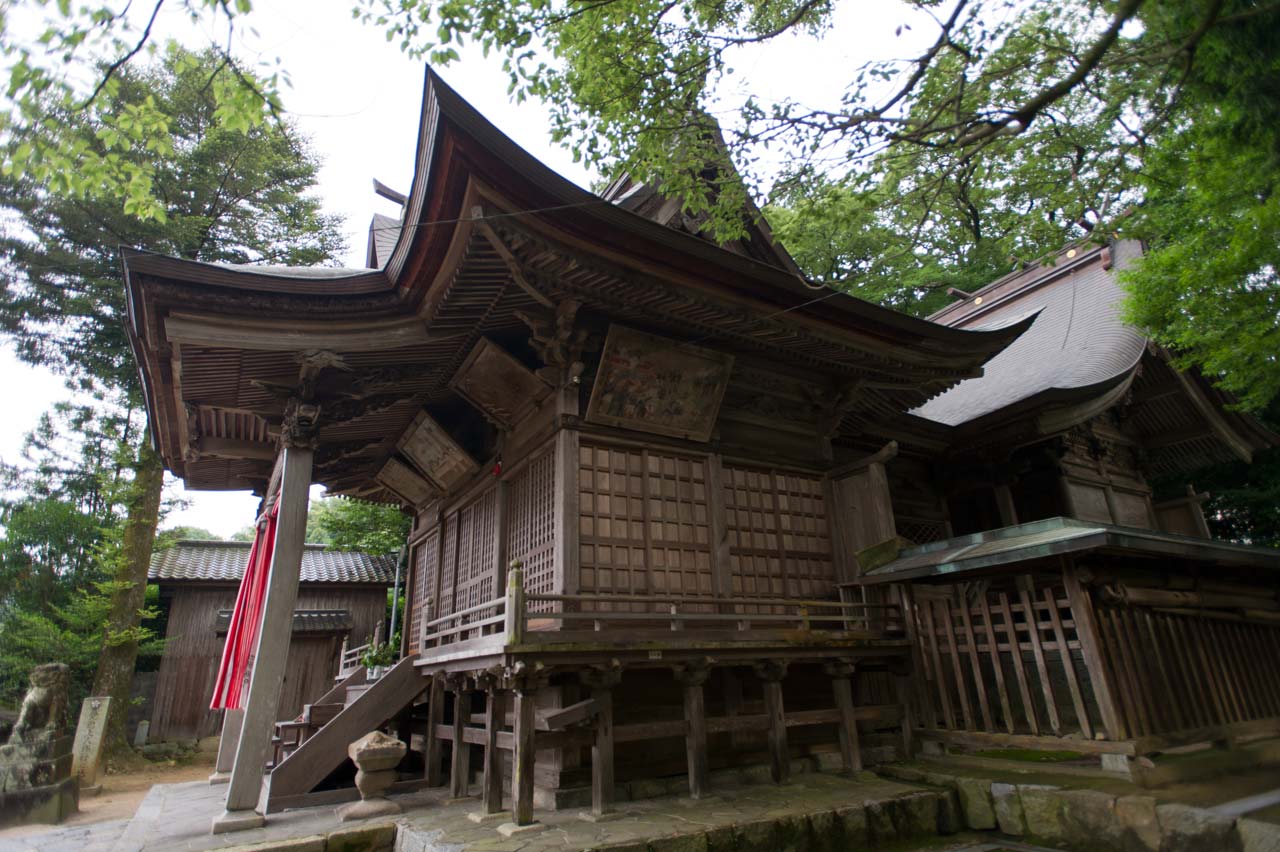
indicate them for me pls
(346, 524)
(228, 195)
(168, 538)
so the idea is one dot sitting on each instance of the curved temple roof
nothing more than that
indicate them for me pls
(487, 233)
(1076, 347)
(1078, 359)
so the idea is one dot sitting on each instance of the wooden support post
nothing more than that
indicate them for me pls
(522, 764)
(524, 681)
(435, 718)
(692, 678)
(460, 765)
(772, 673)
(494, 718)
(902, 685)
(841, 673)
(601, 682)
(514, 610)
(272, 652)
(232, 721)
(1090, 648)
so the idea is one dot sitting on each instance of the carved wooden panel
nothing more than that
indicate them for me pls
(435, 453)
(654, 384)
(644, 526)
(779, 539)
(402, 479)
(497, 384)
(531, 534)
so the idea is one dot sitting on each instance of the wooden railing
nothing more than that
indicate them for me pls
(516, 610)
(350, 659)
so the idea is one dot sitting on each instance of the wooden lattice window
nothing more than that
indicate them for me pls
(477, 564)
(425, 558)
(531, 534)
(779, 541)
(448, 560)
(644, 526)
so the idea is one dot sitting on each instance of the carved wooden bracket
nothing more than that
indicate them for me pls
(558, 343)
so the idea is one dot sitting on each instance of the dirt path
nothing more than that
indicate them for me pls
(121, 794)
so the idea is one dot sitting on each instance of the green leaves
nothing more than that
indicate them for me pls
(343, 523)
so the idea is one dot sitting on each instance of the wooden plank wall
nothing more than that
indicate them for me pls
(1178, 672)
(184, 684)
(1000, 656)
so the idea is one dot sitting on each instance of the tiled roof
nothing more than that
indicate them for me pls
(1077, 342)
(304, 621)
(225, 561)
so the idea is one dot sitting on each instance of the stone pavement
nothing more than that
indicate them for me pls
(817, 812)
(813, 812)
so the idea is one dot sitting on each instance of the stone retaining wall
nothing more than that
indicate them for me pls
(1090, 819)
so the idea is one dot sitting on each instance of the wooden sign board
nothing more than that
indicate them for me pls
(437, 455)
(402, 479)
(658, 385)
(497, 384)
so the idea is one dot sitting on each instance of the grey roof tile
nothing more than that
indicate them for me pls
(1077, 340)
(225, 561)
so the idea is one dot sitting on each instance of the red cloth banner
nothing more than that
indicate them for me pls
(230, 689)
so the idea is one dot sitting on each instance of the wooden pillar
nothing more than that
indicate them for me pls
(1090, 648)
(841, 673)
(272, 652)
(771, 674)
(525, 686)
(494, 719)
(460, 764)
(435, 718)
(601, 682)
(692, 678)
(901, 671)
(232, 721)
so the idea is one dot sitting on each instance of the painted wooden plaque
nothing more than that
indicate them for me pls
(497, 384)
(402, 479)
(655, 384)
(437, 455)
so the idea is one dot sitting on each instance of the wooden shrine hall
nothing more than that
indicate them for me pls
(645, 471)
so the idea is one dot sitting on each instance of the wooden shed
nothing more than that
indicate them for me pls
(341, 595)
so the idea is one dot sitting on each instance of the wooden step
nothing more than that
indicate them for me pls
(325, 750)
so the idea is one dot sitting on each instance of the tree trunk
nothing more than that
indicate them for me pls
(114, 677)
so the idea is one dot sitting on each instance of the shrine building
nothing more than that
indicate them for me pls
(676, 509)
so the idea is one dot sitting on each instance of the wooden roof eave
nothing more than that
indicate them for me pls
(452, 133)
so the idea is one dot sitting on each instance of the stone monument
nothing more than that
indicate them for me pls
(376, 756)
(36, 784)
(91, 734)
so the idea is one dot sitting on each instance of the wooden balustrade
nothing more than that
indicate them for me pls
(520, 615)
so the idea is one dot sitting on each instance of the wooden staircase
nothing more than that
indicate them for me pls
(311, 747)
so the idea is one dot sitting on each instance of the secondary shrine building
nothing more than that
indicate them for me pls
(676, 510)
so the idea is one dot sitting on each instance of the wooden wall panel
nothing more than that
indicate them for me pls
(426, 558)
(530, 522)
(644, 522)
(477, 558)
(184, 685)
(779, 537)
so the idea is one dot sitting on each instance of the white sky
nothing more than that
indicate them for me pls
(357, 97)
